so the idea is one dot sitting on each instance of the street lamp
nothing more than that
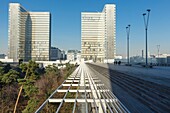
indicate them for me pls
(128, 33)
(146, 28)
(158, 48)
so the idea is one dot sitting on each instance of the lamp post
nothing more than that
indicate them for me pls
(158, 47)
(146, 21)
(128, 33)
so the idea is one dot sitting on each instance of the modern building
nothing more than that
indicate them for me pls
(74, 55)
(55, 54)
(29, 34)
(63, 55)
(71, 55)
(2, 56)
(78, 56)
(98, 34)
(163, 59)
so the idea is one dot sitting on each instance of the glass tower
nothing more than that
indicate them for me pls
(29, 34)
(98, 34)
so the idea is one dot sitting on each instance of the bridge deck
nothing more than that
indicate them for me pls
(88, 94)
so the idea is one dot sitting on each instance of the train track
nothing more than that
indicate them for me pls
(155, 96)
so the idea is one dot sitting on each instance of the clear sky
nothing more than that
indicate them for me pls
(66, 22)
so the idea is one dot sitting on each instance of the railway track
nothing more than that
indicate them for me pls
(155, 96)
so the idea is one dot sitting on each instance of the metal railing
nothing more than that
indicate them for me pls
(90, 94)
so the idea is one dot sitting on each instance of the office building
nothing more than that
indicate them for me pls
(98, 34)
(55, 54)
(29, 34)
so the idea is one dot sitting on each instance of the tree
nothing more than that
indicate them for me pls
(31, 75)
(32, 105)
(1, 73)
(7, 68)
(69, 68)
(30, 70)
(10, 77)
(52, 69)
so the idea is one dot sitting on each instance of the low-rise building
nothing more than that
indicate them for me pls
(6, 60)
(55, 54)
(78, 56)
(63, 55)
(163, 59)
(2, 56)
(168, 59)
(74, 55)
(71, 55)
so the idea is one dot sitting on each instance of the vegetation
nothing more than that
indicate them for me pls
(31, 86)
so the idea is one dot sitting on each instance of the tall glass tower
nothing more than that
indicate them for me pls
(29, 34)
(98, 34)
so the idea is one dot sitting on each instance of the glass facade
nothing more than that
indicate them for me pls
(98, 34)
(29, 34)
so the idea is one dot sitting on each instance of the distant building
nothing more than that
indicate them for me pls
(55, 54)
(29, 34)
(78, 56)
(162, 58)
(71, 55)
(2, 56)
(168, 59)
(118, 57)
(6, 60)
(63, 55)
(98, 34)
(74, 55)
(136, 59)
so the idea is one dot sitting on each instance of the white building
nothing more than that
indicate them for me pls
(98, 34)
(6, 60)
(71, 55)
(29, 34)
(74, 55)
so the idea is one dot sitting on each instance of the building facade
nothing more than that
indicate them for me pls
(71, 55)
(55, 54)
(2, 56)
(29, 34)
(74, 55)
(63, 55)
(98, 34)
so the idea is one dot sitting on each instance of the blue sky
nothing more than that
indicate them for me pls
(66, 23)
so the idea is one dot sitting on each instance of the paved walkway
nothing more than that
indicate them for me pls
(160, 75)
